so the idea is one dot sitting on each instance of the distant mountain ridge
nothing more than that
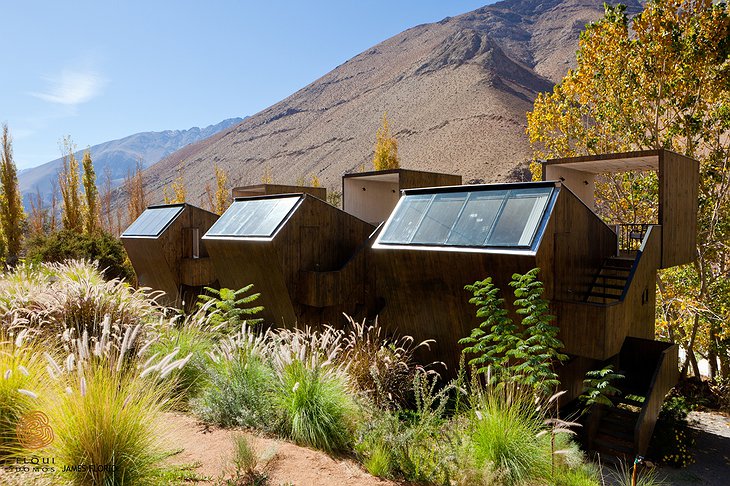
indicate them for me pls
(456, 93)
(121, 155)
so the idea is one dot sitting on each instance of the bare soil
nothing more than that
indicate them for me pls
(211, 449)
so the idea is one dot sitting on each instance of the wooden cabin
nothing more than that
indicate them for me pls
(270, 189)
(166, 249)
(371, 196)
(600, 279)
(293, 248)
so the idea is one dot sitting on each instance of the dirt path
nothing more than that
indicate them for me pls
(211, 447)
(712, 453)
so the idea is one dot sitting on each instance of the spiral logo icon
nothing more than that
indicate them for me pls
(34, 431)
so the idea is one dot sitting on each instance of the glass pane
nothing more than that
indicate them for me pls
(477, 218)
(440, 218)
(153, 221)
(518, 221)
(406, 219)
(253, 217)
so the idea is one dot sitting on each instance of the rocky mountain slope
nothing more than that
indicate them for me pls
(456, 93)
(122, 155)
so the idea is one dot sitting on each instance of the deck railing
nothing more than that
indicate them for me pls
(630, 236)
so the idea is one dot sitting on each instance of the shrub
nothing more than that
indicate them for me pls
(503, 436)
(239, 380)
(70, 245)
(237, 393)
(317, 410)
(410, 444)
(383, 368)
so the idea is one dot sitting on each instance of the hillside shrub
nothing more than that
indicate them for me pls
(65, 245)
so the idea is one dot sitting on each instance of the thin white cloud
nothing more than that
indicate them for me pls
(72, 87)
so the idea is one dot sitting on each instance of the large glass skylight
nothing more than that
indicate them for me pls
(153, 221)
(482, 218)
(253, 217)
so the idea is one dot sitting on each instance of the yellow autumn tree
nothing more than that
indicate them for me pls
(137, 199)
(219, 200)
(12, 215)
(178, 193)
(659, 81)
(68, 181)
(386, 148)
(91, 195)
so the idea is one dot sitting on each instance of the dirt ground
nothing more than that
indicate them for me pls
(289, 464)
(211, 449)
(712, 453)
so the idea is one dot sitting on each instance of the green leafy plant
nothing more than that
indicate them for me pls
(227, 306)
(410, 443)
(497, 337)
(599, 389)
(525, 353)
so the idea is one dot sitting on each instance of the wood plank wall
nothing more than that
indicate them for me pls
(678, 206)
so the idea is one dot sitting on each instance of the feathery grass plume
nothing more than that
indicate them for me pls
(318, 409)
(23, 379)
(110, 420)
(190, 336)
(239, 382)
(379, 366)
(73, 297)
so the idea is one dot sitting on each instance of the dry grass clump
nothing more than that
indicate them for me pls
(105, 406)
(381, 367)
(58, 297)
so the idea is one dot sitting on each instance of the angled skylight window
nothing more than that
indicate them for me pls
(253, 218)
(153, 221)
(482, 217)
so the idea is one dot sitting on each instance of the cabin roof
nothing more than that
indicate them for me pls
(153, 221)
(255, 217)
(609, 163)
(501, 218)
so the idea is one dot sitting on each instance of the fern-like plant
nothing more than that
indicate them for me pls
(539, 351)
(598, 388)
(228, 309)
(507, 352)
(497, 337)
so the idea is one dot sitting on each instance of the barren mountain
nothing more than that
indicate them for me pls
(456, 93)
(121, 155)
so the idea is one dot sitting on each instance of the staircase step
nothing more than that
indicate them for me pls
(609, 286)
(616, 268)
(611, 443)
(601, 295)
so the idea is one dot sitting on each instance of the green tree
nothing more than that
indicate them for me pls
(91, 195)
(659, 81)
(386, 148)
(68, 180)
(12, 216)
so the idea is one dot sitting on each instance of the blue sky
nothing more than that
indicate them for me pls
(102, 70)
